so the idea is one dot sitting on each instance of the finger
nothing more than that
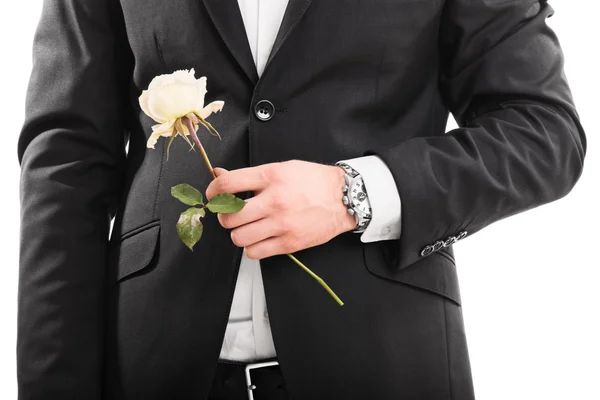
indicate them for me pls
(238, 180)
(269, 247)
(254, 210)
(255, 232)
(220, 171)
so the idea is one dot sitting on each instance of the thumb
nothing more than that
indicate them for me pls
(219, 171)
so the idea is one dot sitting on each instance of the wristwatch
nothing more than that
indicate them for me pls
(355, 197)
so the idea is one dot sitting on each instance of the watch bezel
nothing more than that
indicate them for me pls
(358, 180)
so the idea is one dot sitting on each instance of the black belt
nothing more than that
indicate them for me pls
(257, 380)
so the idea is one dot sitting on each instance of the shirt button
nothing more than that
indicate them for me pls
(264, 110)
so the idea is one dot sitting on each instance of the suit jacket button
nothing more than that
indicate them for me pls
(427, 251)
(264, 110)
(461, 235)
(450, 240)
(438, 245)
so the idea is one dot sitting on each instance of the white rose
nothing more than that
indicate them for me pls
(173, 96)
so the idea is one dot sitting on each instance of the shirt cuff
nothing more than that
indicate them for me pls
(386, 219)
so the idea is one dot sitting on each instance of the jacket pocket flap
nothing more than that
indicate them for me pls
(133, 252)
(435, 273)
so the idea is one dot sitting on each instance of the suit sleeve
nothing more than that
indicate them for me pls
(71, 150)
(519, 143)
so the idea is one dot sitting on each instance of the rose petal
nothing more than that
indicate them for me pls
(184, 76)
(201, 88)
(172, 101)
(210, 108)
(160, 81)
(151, 141)
(159, 130)
(180, 75)
(143, 100)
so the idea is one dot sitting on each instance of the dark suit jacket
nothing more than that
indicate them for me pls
(140, 316)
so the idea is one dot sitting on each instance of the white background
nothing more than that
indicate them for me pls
(530, 283)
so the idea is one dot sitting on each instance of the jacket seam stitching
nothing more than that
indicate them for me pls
(447, 349)
(159, 51)
(159, 180)
(375, 89)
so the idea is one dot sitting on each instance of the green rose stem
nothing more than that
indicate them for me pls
(189, 121)
(318, 278)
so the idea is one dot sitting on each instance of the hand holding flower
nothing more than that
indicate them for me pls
(296, 205)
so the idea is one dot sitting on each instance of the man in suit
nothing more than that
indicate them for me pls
(306, 84)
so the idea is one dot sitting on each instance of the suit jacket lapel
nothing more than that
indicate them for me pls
(228, 21)
(293, 13)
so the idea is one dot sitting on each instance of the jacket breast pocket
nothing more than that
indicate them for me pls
(435, 273)
(132, 252)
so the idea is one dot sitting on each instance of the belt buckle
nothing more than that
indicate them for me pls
(249, 386)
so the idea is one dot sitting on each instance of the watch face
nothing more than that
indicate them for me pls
(358, 197)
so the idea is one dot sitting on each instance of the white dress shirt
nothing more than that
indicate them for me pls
(248, 333)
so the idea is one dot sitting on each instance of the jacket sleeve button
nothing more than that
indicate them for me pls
(438, 245)
(427, 251)
(449, 241)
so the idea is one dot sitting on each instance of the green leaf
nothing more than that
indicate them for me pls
(189, 226)
(225, 203)
(187, 194)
